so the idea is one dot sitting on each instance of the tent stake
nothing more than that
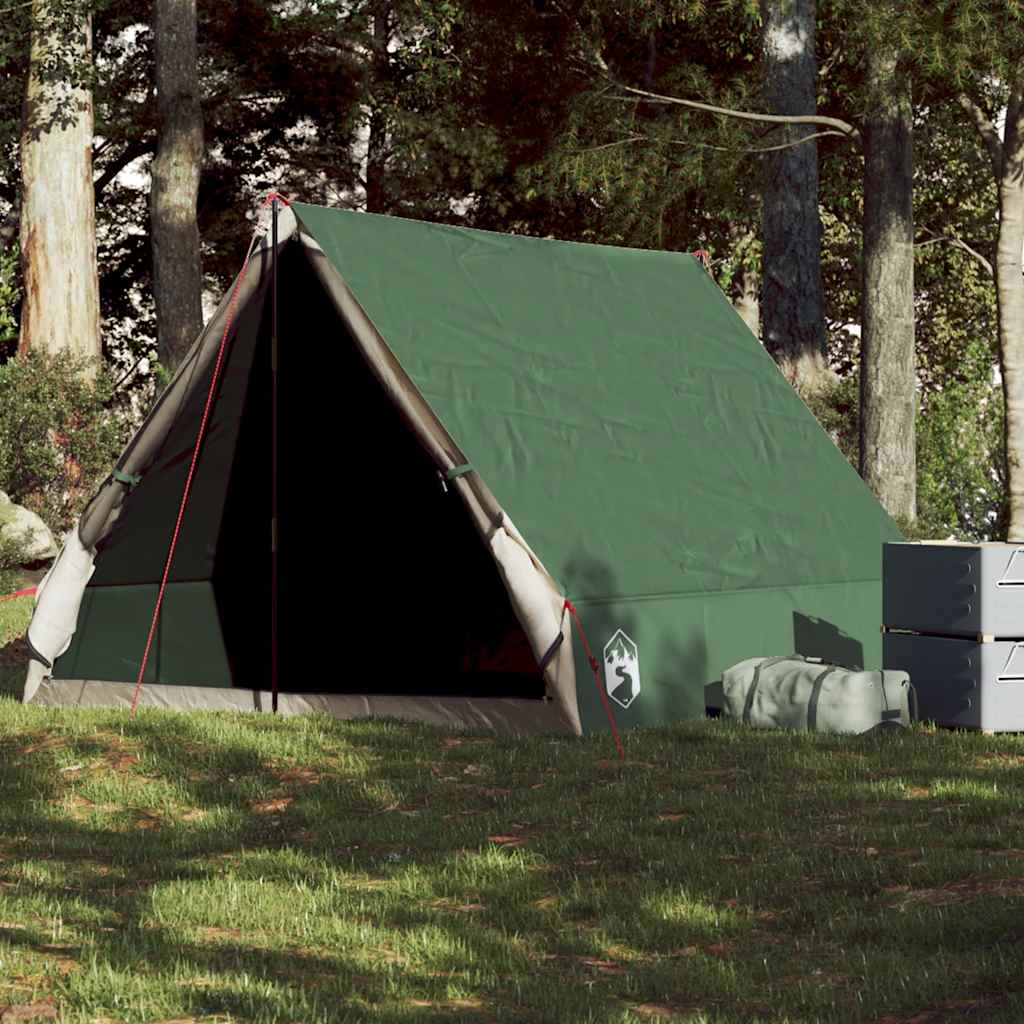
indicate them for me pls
(273, 459)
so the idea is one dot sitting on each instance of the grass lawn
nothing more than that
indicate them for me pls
(218, 868)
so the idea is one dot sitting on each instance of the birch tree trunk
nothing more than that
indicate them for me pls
(792, 307)
(60, 310)
(1010, 299)
(377, 143)
(887, 364)
(177, 259)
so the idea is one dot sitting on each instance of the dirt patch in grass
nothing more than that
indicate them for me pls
(297, 776)
(477, 1007)
(669, 1010)
(590, 964)
(275, 805)
(454, 906)
(40, 741)
(946, 1012)
(956, 892)
(14, 654)
(41, 1009)
(999, 760)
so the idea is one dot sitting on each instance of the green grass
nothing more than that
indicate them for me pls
(15, 614)
(245, 868)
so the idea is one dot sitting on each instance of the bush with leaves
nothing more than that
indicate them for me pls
(12, 555)
(59, 435)
(961, 479)
(9, 295)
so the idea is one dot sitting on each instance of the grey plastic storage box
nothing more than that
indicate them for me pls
(971, 590)
(962, 683)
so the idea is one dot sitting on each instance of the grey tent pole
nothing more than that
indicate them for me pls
(273, 460)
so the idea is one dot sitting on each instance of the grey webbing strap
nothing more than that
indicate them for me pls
(550, 652)
(812, 704)
(889, 714)
(748, 705)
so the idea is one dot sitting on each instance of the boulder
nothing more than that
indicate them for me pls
(27, 529)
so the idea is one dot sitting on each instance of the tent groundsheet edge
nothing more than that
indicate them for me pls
(503, 715)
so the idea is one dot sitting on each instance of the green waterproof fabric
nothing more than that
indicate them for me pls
(113, 623)
(639, 437)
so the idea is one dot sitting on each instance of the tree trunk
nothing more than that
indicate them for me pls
(177, 261)
(377, 143)
(60, 310)
(1010, 298)
(887, 369)
(792, 308)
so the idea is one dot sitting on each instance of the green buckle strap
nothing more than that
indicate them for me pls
(131, 479)
(457, 471)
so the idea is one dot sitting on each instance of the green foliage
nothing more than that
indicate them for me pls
(15, 615)
(58, 437)
(11, 558)
(961, 479)
(10, 293)
(836, 407)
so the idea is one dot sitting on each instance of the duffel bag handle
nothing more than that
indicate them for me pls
(748, 704)
(812, 703)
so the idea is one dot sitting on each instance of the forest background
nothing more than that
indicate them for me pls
(855, 172)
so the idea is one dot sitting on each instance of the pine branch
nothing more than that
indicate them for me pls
(988, 131)
(757, 149)
(958, 243)
(842, 127)
(611, 145)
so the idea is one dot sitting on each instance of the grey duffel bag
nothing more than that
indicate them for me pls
(794, 692)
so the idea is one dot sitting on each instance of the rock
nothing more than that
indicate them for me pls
(27, 529)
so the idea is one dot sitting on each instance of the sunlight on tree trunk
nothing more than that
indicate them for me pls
(1010, 298)
(887, 369)
(377, 143)
(792, 307)
(177, 261)
(60, 310)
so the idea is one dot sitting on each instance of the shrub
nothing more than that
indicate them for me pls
(58, 436)
(11, 557)
(961, 482)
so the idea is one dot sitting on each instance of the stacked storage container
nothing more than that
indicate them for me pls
(953, 618)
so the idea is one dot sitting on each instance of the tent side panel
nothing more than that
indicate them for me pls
(113, 624)
(135, 548)
(245, 293)
(685, 642)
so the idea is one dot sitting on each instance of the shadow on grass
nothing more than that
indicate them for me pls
(376, 871)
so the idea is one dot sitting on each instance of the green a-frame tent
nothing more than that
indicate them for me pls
(471, 428)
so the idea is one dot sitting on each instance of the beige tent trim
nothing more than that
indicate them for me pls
(508, 716)
(535, 596)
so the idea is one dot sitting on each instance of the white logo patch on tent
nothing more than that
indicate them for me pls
(622, 669)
